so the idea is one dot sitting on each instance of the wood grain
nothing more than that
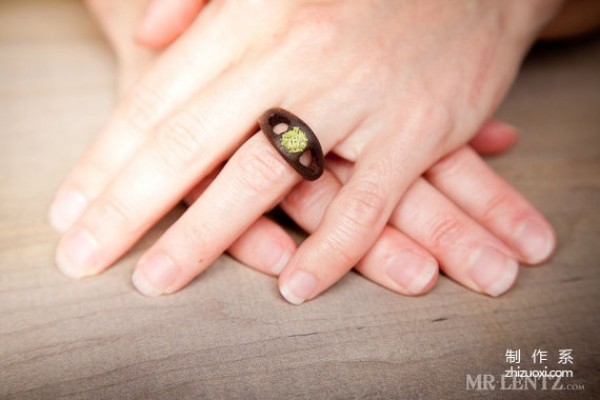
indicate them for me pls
(230, 335)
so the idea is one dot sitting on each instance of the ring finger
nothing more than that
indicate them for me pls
(253, 181)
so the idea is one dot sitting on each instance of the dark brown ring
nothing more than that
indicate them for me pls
(302, 134)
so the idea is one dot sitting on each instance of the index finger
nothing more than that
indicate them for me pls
(197, 61)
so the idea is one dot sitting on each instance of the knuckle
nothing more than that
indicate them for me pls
(199, 236)
(448, 167)
(496, 205)
(91, 178)
(313, 31)
(440, 121)
(364, 206)
(144, 105)
(435, 123)
(260, 170)
(445, 232)
(335, 246)
(179, 139)
(117, 212)
(365, 68)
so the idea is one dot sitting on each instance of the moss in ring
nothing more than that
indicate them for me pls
(294, 140)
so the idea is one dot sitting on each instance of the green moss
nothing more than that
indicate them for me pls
(294, 140)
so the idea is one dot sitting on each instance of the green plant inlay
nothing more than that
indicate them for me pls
(294, 140)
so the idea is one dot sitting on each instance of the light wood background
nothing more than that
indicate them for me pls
(229, 334)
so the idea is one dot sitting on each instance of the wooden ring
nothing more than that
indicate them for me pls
(296, 140)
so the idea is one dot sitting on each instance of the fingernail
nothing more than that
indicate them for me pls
(411, 271)
(298, 287)
(492, 272)
(274, 256)
(66, 209)
(155, 275)
(505, 128)
(534, 241)
(76, 255)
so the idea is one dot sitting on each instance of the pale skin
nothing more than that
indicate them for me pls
(196, 107)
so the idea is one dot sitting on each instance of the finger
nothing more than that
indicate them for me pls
(181, 152)
(477, 189)
(394, 261)
(466, 252)
(254, 179)
(356, 217)
(265, 246)
(398, 263)
(196, 62)
(197, 191)
(248, 186)
(164, 21)
(462, 175)
(494, 137)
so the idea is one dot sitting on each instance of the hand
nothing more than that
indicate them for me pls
(112, 222)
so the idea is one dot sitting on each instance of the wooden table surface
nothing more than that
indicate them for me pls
(229, 334)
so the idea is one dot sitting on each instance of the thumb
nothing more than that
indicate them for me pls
(494, 137)
(165, 20)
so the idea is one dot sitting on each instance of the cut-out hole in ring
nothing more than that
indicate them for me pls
(280, 128)
(300, 148)
(306, 158)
